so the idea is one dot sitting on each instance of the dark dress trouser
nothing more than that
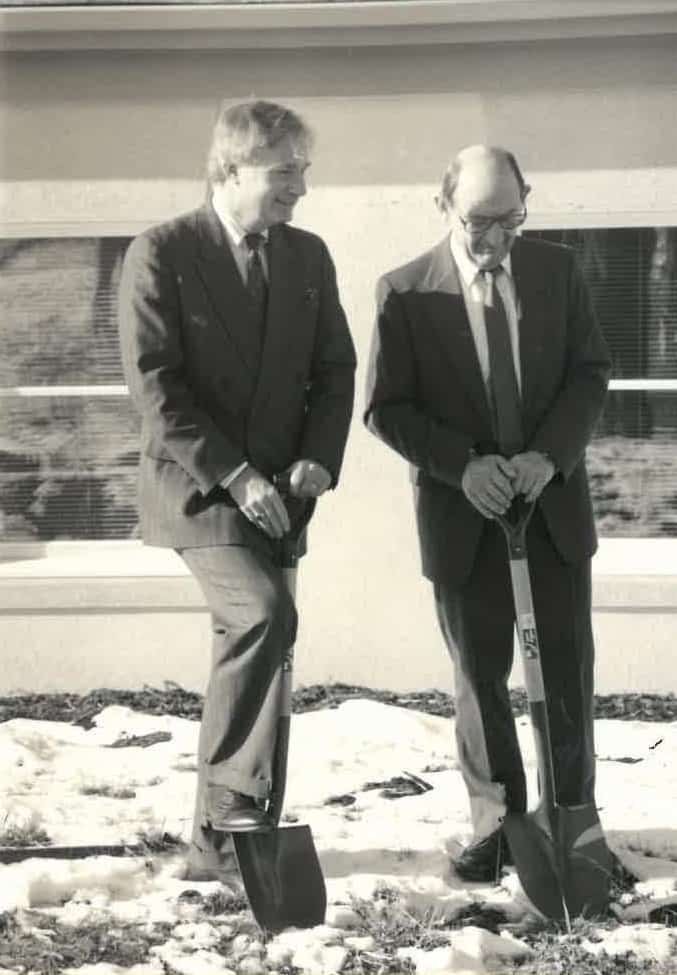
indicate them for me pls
(477, 621)
(254, 623)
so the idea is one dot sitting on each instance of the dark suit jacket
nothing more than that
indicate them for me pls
(426, 397)
(208, 396)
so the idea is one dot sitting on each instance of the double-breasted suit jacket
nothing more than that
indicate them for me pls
(209, 394)
(427, 399)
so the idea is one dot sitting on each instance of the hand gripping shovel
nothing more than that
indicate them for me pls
(560, 853)
(280, 869)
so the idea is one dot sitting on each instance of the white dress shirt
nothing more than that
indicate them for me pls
(476, 293)
(235, 235)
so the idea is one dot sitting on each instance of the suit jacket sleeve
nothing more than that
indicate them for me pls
(152, 356)
(394, 411)
(568, 424)
(331, 385)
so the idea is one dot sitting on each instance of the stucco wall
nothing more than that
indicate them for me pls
(113, 141)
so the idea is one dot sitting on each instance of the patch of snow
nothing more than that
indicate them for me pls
(104, 968)
(647, 942)
(470, 949)
(196, 963)
(405, 844)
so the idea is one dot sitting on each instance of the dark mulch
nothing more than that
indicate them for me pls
(172, 699)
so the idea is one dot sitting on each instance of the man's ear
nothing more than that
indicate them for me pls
(230, 172)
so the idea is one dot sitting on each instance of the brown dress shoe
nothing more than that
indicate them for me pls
(482, 861)
(234, 812)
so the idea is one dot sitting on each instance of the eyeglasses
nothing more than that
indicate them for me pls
(476, 226)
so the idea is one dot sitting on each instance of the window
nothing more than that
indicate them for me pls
(68, 434)
(633, 458)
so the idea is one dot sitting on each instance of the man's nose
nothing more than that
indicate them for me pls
(298, 185)
(494, 235)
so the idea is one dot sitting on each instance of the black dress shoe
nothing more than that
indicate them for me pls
(482, 861)
(234, 812)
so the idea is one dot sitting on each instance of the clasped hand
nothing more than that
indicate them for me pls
(491, 482)
(259, 500)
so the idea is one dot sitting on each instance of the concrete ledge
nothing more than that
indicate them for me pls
(67, 577)
(181, 594)
(75, 616)
(293, 25)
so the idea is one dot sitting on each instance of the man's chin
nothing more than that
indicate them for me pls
(488, 261)
(284, 212)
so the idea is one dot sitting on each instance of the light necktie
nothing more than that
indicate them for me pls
(506, 403)
(257, 286)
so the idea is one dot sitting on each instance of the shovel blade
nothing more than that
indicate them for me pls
(282, 877)
(587, 862)
(533, 853)
(562, 860)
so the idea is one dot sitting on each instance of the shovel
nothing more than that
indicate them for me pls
(560, 853)
(280, 869)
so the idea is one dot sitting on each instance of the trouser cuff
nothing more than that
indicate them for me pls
(238, 781)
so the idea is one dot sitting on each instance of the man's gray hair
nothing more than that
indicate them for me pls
(453, 171)
(242, 131)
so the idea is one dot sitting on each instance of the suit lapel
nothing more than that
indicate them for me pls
(222, 281)
(450, 320)
(531, 291)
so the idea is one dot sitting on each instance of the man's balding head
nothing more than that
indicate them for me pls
(484, 185)
(481, 163)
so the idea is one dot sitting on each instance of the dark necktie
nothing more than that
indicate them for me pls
(257, 286)
(507, 408)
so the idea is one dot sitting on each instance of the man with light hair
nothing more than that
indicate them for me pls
(488, 374)
(239, 359)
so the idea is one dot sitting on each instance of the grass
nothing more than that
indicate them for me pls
(39, 944)
(43, 946)
(387, 920)
(108, 791)
(392, 926)
(558, 954)
(20, 836)
(156, 840)
(224, 901)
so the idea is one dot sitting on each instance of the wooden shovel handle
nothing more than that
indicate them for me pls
(300, 512)
(514, 525)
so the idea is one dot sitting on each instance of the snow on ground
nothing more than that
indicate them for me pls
(69, 782)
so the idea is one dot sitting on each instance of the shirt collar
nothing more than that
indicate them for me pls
(234, 229)
(466, 266)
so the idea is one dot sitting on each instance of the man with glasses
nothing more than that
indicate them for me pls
(488, 374)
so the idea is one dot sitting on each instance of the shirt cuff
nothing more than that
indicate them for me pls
(226, 481)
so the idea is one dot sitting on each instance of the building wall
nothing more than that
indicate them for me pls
(109, 142)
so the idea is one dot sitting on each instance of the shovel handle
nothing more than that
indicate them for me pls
(300, 512)
(514, 524)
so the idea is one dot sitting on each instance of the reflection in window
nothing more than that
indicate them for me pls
(68, 448)
(632, 461)
(68, 457)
